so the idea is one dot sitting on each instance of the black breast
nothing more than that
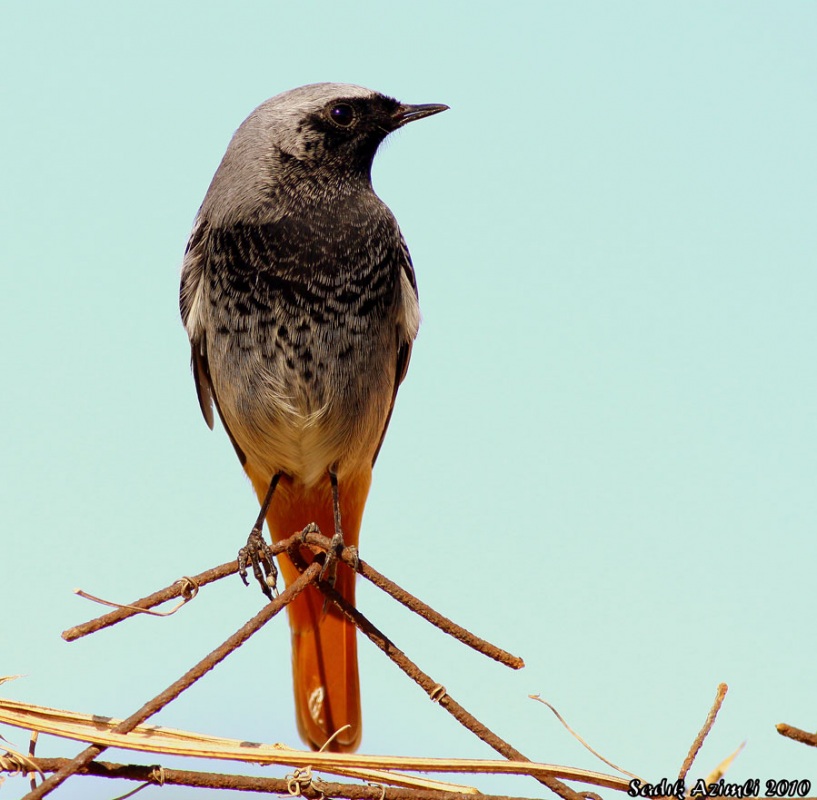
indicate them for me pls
(338, 268)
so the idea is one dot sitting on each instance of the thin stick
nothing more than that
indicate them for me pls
(32, 746)
(188, 591)
(704, 732)
(349, 557)
(419, 607)
(188, 679)
(155, 599)
(244, 783)
(176, 589)
(799, 735)
(580, 739)
(433, 689)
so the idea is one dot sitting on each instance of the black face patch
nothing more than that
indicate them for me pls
(355, 123)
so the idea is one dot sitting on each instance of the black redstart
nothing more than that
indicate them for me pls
(299, 299)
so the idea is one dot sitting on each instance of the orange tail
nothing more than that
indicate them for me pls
(324, 645)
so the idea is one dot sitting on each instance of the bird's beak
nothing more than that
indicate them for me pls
(406, 113)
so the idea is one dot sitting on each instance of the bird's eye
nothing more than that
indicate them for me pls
(342, 114)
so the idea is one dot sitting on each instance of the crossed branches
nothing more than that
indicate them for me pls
(302, 781)
(310, 574)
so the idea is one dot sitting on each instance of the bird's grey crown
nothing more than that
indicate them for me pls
(276, 129)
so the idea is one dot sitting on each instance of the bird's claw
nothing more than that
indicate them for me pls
(356, 556)
(312, 527)
(330, 564)
(259, 554)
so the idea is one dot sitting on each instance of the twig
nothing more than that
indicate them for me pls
(245, 783)
(432, 688)
(391, 770)
(704, 732)
(349, 557)
(292, 545)
(176, 589)
(579, 739)
(418, 606)
(188, 679)
(799, 735)
(157, 598)
(189, 589)
(32, 747)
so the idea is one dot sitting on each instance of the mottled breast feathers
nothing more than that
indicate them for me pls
(274, 286)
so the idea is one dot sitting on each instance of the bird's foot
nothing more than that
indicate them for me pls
(332, 556)
(330, 564)
(258, 553)
(356, 556)
(312, 527)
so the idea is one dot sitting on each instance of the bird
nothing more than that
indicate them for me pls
(299, 298)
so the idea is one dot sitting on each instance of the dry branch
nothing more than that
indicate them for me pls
(799, 735)
(434, 690)
(159, 740)
(130, 733)
(178, 588)
(188, 679)
(704, 732)
(182, 588)
(418, 606)
(161, 776)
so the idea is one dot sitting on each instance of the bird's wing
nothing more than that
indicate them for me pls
(407, 326)
(190, 292)
(190, 306)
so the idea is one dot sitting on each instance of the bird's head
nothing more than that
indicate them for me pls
(317, 135)
(334, 125)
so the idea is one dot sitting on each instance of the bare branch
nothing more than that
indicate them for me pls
(419, 607)
(433, 689)
(188, 679)
(171, 592)
(704, 732)
(213, 780)
(799, 735)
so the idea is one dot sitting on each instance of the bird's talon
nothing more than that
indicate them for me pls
(356, 556)
(310, 528)
(330, 564)
(328, 571)
(259, 554)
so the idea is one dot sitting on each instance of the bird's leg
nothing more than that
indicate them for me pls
(258, 553)
(330, 565)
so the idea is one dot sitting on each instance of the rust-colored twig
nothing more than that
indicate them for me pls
(799, 735)
(704, 732)
(411, 602)
(418, 606)
(188, 679)
(292, 545)
(157, 598)
(157, 775)
(437, 692)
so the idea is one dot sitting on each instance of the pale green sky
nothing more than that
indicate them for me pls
(604, 455)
